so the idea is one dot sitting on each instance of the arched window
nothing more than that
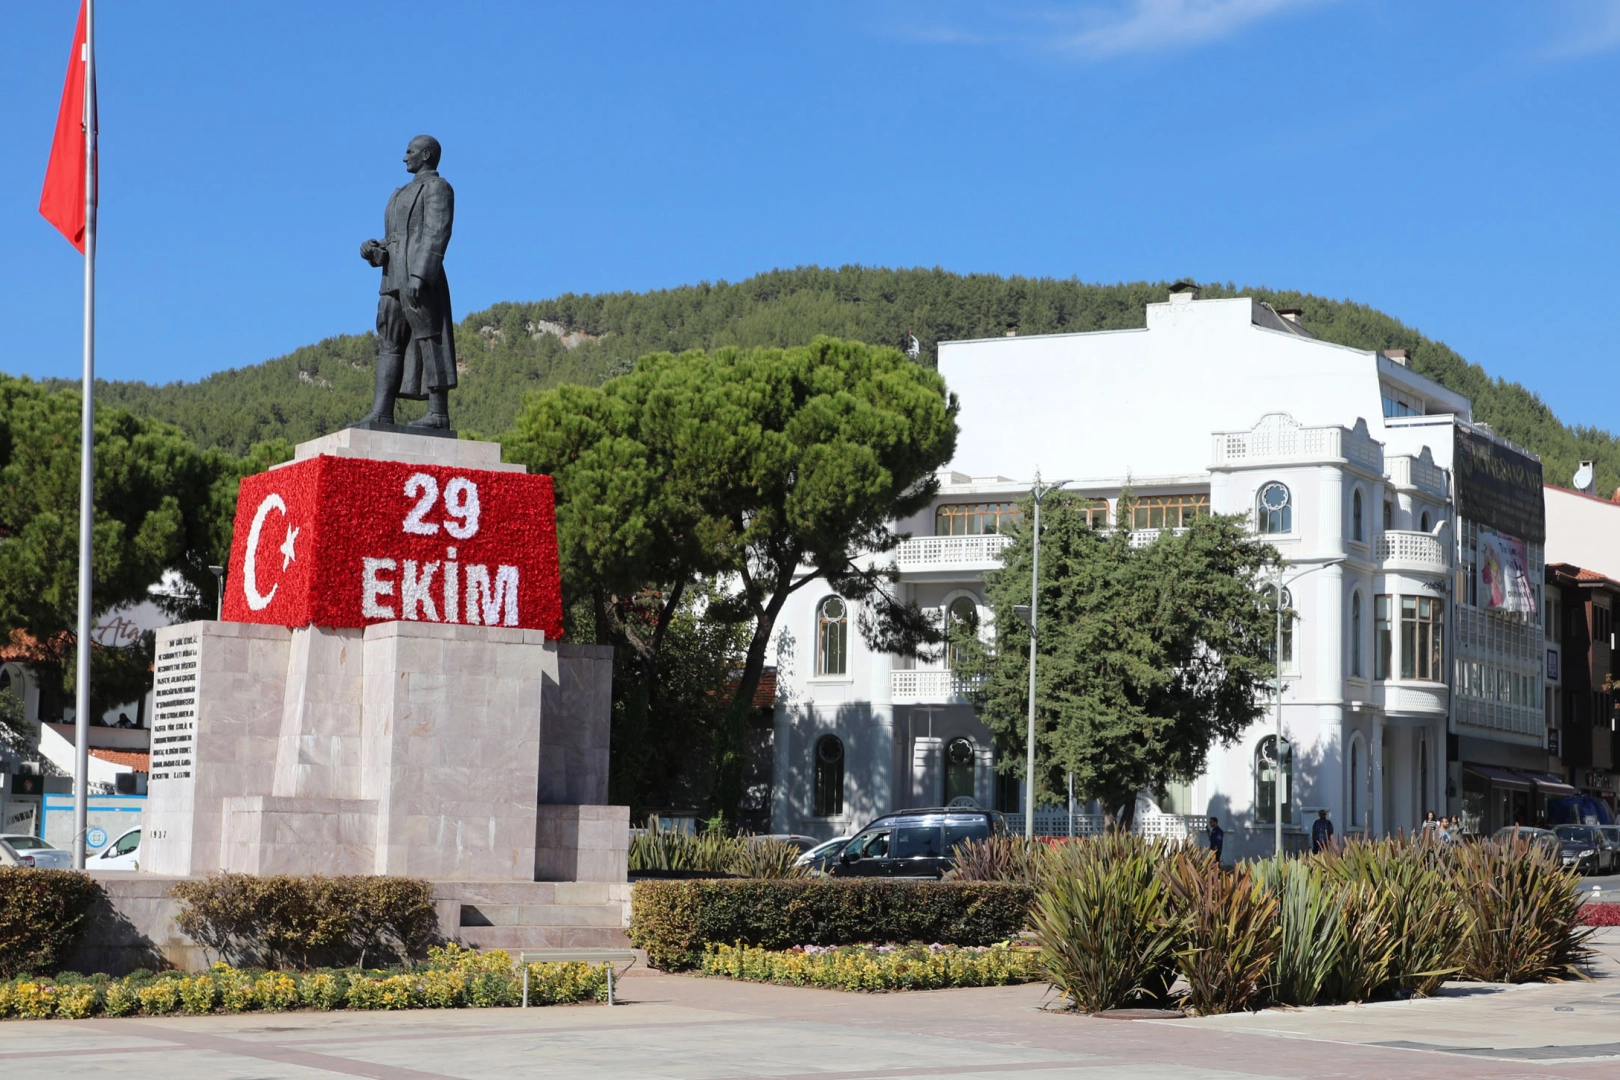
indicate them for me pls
(1288, 616)
(1356, 532)
(962, 618)
(1355, 782)
(1274, 509)
(1355, 635)
(1267, 770)
(1423, 522)
(832, 637)
(959, 762)
(829, 792)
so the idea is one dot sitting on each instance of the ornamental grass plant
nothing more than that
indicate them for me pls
(660, 850)
(1311, 927)
(1522, 914)
(875, 967)
(1229, 929)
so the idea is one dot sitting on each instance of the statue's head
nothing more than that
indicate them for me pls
(422, 153)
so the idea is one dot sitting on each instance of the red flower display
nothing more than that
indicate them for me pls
(333, 541)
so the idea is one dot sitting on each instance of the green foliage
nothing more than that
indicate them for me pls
(284, 919)
(660, 850)
(761, 464)
(1149, 655)
(1420, 886)
(1000, 858)
(675, 921)
(1230, 931)
(1311, 939)
(874, 967)
(1522, 913)
(43, 914)
(1104, 924)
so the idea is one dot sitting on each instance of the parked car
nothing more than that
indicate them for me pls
(10, 857)
(914, 843)
(123, 853)
(820, 857)
(1611, 833)
(1586, 847)
(44, 855)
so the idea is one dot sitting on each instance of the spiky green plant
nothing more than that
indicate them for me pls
(1310, 910)
(1522, 911)
(1229, 927)
(1425, 918)
(1103, 923)
(1369, 949)
(1001, 858)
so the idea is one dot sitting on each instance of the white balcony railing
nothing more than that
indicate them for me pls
(1280, 438)
(934, 554)
(1412, 552)
(924, 687)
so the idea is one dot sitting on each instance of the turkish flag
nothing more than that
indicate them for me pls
(63, 199)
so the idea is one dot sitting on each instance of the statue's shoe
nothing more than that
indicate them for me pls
(433, 421)
(372, 418)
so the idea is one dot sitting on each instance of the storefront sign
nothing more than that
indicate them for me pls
(1497, 487)
(335, 541)
(1554, 674)
(1504, 573)
(1599, 780)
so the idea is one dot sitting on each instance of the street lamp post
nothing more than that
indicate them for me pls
(1277, 743)
(1039, 492)
(219, 591)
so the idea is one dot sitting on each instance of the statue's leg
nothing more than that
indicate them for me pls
(390, 361)
(438, 414)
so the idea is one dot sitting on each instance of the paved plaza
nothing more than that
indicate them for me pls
(686, 1028)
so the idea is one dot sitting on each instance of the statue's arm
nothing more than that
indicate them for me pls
(374, 252)
(427, 250)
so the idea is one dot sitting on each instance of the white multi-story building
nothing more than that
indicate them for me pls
(1341, 457)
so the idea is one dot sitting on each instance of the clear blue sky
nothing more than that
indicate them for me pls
(1452, 163)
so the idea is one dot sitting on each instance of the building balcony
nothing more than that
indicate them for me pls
(924, 687)
(1417, 553)
(946, 557)
(1280, 439)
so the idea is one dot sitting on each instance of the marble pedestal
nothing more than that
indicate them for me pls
(453, 753)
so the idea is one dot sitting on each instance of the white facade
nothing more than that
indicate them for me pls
(1213, 402)
(1583, 530)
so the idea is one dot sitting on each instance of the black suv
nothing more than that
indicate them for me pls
(914, 843)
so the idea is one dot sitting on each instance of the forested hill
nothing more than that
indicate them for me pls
(511, 350)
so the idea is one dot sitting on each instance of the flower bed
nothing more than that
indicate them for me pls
(875, 967)
(453, 978)
(1596, 914)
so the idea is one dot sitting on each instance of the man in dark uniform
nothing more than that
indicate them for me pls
(1217, 838)
(1321, 832)
(416, 350)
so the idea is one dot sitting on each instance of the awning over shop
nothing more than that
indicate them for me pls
(1547, 783)
(1499, 777)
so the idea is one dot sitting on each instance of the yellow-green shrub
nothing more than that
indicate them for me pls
(444, 989)
(158, 998)
(565, 984)
(120, 999)
(235, 989)
(867, 967)
(275, 991)
(197, 995)
(323, 990)
(6, 995)
(33, 1001)
(389, 992)
(75, 1002)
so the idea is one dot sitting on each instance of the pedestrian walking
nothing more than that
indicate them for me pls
(1217, 838)
(1321, 832)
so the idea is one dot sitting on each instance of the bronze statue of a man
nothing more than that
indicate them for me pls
(416, 344)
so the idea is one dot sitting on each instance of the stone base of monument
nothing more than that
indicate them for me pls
(472, 756)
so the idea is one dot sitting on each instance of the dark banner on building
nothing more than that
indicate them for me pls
(1498, 488)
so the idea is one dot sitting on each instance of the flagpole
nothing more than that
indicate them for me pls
(87, 464)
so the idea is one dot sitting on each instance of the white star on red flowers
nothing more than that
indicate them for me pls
(286, 548)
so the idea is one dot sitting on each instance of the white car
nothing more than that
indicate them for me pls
(44, 855)
(123, 853)
(816, 859)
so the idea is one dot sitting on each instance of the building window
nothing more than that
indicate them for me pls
(962, 618)
(1355, 635)
(1168, 511)
(1288, 616)
(1389, 515)
(959, 762)
(1383, 637)
(1356, 532)
(832, 637)
(975, 519)
(1422, 638)
(1552, 618)
(1423, 522)
(1266, 772)
(1274, 509)
(829, 793)
(1355, 782)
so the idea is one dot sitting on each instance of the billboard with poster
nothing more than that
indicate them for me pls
(1504, 574)
(1498, 487)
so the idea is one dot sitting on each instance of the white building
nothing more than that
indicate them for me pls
(1342, 457)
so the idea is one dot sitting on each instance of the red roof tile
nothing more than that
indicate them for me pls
(139, 760)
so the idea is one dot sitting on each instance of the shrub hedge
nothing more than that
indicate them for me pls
(306, 921)
(42, 916)
(675, 921)
(875, 967)
(452, 978)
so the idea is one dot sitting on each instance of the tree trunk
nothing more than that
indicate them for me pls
(733, 755)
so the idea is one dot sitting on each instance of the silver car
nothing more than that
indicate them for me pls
(44, 855)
